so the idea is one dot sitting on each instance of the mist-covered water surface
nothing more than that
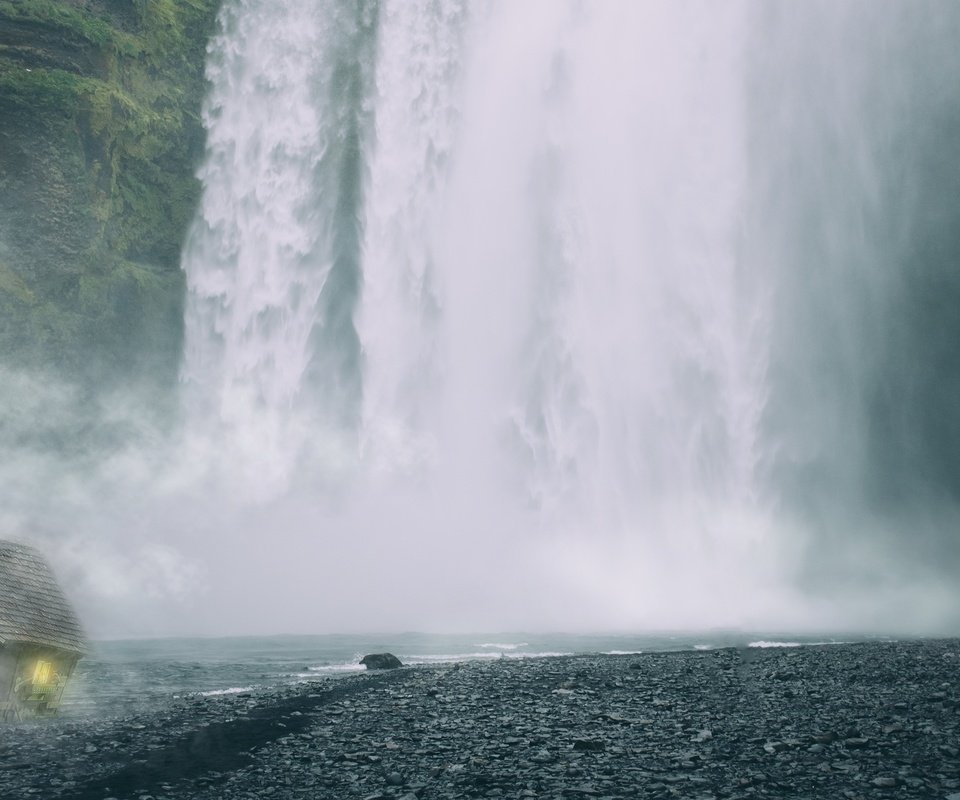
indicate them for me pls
(544, 316)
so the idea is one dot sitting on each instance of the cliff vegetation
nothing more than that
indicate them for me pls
(99, 139)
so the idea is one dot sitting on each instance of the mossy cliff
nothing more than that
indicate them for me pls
(99, 140)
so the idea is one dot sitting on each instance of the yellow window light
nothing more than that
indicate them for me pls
(42, 672)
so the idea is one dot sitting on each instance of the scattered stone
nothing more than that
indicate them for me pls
(856, 743)
(589, 745)
(497, 730)
(619, 719)
(885, 782)
(894, 728)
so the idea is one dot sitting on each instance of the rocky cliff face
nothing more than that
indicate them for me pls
(99, 138)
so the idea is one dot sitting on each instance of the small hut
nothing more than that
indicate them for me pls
(40, 637)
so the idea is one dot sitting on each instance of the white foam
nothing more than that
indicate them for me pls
(232, 690)
(347, 667)
(502, 645)
(478, 656)
(763, 643)
(622, 652)
(820, 644)
(705, 647)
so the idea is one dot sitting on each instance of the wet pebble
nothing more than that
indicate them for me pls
(816, 722)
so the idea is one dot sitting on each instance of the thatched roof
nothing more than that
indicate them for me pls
(33, 609)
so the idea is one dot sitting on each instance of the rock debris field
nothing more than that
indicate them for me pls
(873, 720)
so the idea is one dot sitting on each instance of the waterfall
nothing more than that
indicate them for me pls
(272, 260)
(530, 295)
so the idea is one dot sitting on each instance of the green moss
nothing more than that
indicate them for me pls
(41, 88)
(71, 21)
(99, 290)
(99, 140)
(13, 284)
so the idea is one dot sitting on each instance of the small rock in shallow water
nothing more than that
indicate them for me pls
(381, 661)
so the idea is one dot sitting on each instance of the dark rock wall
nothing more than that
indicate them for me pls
(99, 139)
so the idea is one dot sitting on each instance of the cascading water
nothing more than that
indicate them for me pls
(491, 303)
(853, 214)
(272, 259)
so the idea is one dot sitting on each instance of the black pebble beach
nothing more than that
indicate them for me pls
(872, 720)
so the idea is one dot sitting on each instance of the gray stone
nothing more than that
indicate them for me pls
(856, 743)
(589, 745)
(394, 779)
(381, 661)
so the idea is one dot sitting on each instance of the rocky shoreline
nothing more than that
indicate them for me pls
(878, 719)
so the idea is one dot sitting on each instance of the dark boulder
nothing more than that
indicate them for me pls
(381, 661)
(590, 745)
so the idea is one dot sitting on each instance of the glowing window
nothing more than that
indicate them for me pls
(42, 672)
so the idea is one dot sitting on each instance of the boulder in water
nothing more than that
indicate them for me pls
(381, 661)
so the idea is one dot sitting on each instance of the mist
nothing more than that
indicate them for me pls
(541, 316)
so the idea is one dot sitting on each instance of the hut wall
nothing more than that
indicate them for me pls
(8, 670)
